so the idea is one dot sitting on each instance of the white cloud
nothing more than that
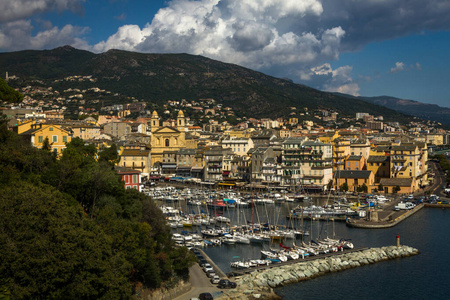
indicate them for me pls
(338, 80)
(18, 35)
(251, 33)
(399, 66)
(288, 38)
(12, 10)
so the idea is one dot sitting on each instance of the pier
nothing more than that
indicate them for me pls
(241, 272)
(216, 268)
(384, 218)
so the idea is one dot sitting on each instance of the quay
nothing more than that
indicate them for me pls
(241, 272)
(383, 218)
(216, 268)
(437, 205)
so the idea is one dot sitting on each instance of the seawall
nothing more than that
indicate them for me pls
(259, 285)
(384, 224)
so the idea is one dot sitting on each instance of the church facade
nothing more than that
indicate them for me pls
(166, 139)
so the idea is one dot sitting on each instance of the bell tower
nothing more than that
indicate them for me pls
(154, 121)
(181, 123)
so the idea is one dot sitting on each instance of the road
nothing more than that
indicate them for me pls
(200, 284)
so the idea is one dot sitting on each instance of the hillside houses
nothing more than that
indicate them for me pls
(282, 153)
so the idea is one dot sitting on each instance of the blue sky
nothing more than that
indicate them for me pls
(362, 47)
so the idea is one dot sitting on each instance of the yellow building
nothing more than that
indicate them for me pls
(57, 136)
(165, 138)
(329, 137)
(435, 139)
(85, 131)
(409, 161)
(136, 158)
(341, 151)
(380, 166)
(24, 126)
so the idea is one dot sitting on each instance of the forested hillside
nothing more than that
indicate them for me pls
(156, 78)
(69, 229)
(9, 94)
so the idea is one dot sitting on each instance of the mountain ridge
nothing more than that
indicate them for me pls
(427, 111)
(157, 78)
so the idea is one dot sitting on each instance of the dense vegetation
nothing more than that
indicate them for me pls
(9, 94)
(156, 78)
(69, 229)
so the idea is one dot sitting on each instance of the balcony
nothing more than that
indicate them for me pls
(398, 158)
(312, 177)
(321, 166)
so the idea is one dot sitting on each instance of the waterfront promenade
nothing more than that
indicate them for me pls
(388, 217)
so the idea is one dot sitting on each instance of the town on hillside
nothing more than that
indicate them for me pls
(203, 142)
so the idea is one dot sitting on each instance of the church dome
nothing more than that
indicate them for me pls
(180, 114)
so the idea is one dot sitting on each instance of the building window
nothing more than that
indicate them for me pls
(167, 142)
(41, 139)
(50, 129)
(64, 138)
(55, 150)
(55, 139)
(135, 179)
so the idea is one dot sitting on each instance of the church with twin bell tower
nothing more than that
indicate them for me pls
(166, 138)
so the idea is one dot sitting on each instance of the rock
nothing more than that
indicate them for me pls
(364, 261)
(260, 284)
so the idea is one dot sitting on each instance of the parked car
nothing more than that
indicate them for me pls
(207, 268)
(205, 296)
(215, 279)
(403, 205)
(225, 283)
(211, 274)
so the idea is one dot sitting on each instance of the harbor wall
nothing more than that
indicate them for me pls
(260, 284)
(385, 224)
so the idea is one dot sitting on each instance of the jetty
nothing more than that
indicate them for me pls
(384, 218)
(216, 268)
(261, 284)
(241, 272)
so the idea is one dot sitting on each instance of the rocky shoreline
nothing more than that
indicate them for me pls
(259, 285)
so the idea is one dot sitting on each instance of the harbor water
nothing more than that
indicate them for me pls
(423, 276)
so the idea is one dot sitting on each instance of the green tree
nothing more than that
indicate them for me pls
(380, 187)
(364, 188)
(109, 155)
(9, 94)
(396, 189)
(51, 250)
(344, 187)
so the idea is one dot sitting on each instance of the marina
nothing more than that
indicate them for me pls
(285, 215)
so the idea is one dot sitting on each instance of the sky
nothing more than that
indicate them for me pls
(397, 48)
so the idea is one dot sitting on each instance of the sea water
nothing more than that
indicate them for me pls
(424, 276)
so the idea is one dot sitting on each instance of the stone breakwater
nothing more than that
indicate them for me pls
(260, 284)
